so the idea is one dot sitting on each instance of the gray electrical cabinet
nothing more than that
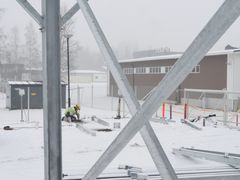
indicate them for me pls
(22, 93)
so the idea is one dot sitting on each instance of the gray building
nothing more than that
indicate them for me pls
(31, 92)
(217, 70)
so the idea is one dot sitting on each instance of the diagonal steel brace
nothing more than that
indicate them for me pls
(216, 27)
(31, 11)
(158, 155)
(71, 12)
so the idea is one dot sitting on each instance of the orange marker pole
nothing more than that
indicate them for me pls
(163, 111)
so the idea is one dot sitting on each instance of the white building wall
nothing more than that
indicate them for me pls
(233, 72)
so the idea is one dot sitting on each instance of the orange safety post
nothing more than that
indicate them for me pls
(163, 111)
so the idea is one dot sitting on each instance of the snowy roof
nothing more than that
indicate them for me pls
(86, 72)
(176, 56)
(26, 82)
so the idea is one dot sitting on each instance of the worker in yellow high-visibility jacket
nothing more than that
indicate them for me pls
(71, 112)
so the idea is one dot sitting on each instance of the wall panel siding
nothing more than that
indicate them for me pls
(213, 75)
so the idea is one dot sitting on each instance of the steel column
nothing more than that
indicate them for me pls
(51, 90)
(158, 155)
(215, 28)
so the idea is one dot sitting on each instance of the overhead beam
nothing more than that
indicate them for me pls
(31, 11)
(216, 27)
(52, 90)
(158, 155)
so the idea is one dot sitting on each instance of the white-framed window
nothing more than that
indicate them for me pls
(155, 70)
(128, 70)
(196, 69)
(167, 68)
(140, 70)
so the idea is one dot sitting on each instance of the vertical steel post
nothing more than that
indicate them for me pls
(28, 104)
(225, 109)
(52, 89)
(237, 120)
(68, 36)
(170, 111)
(68, 67)
(92, 95)
(21, 108)
(78, 94)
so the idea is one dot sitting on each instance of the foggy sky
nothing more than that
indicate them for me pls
(141, 24)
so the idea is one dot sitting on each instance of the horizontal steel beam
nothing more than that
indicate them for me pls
(187, 174)
(226, 158)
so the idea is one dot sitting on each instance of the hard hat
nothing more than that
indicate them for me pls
(77, 106)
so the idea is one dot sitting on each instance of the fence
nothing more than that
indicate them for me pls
(94, 95)
(225, 104)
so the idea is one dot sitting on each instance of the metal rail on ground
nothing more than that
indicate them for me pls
(222, 157)
(220, 173)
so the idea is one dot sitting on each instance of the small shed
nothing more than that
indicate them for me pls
(87, 76)
(28, 92)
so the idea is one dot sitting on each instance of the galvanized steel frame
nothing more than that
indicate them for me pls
(160, 159)
(50, 24)
(220, 22)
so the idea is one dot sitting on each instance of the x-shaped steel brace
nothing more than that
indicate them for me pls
(215, 28)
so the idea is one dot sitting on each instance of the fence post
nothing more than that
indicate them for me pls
(237, 120)
(185, 111)
(225, 116)
(92, 96)
(170, 111)
(123, 103)
(112, 97)
(28, 104)
(78, 95)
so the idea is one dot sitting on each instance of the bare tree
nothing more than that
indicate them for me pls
(3, 45)
(74, 45)
(32, 46)
(13, 46)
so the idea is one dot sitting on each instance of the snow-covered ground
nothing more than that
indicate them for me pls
(21, 149)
